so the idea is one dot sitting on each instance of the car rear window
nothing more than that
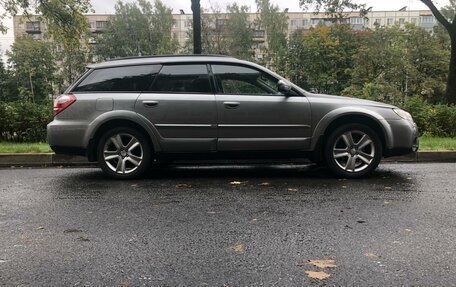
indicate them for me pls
(183, 79)
(119, 79)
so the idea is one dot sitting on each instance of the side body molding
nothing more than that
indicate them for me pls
(346, 111)
(122, 115)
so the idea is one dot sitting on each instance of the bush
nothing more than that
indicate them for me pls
(24, 121)
(435, 120)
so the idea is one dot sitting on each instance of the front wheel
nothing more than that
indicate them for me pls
(353, 151)
(124, 153)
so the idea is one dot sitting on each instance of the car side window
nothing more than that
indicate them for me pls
(119, 79)
(240, 80)
(183, 79)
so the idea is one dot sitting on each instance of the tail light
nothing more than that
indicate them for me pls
(62, 102)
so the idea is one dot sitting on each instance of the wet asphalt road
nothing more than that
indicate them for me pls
(189, 226)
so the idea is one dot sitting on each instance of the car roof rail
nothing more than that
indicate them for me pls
(166, 56)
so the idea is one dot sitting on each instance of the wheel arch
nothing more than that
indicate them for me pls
(339, 117)
(108, 121)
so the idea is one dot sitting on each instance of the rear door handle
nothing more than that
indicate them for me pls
(231, 105)
(150, 104)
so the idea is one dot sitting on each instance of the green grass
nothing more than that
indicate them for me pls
(8, 147)
(426, 143)
(437, 143)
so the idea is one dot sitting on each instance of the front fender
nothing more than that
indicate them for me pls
(338, 113)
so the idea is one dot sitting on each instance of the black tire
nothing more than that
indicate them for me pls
(357, 159)
(123, 164)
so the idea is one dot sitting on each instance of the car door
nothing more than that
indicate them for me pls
(181, 106)
(253, 115)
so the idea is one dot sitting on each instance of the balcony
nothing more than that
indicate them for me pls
(33, 27)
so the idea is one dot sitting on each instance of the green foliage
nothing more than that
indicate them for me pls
(275, 25)
(24, 121)
(138, 28)
(32, 68)
(336, 9)
(437, 120)
(320, 60)
(392, 63)
(239, 32)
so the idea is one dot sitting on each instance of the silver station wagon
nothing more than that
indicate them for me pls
(129, 113)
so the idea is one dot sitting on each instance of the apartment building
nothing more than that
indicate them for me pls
(296, 20)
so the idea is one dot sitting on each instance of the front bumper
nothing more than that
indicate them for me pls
(405, 138)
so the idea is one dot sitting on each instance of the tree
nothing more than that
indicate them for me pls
(33, 68)
(449, 23)
(321, 59)
(137, 28)
(239, 32)
(393, 63)
(275, 25)
(213, 35)
(336, 9)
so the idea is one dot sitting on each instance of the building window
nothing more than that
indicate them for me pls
(378, 22)
(427, 19)
(357, 20)
(401, 21)
(92, 25)
(101, 24)
(389, 21)
(258, 34)
(293, 22)
(21, 26)
(413, 20)
(33, 26)
(305, 22)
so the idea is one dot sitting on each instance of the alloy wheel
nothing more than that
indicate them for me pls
(123, 153)
(354, 151)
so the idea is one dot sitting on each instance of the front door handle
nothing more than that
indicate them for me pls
(231, 105)
(150, 104)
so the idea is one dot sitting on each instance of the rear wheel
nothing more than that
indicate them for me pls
(124, 153)
(353, 150)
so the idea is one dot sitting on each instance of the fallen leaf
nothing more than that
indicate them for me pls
(211, 212)
(386, 202)
(292, 189)
(322, 263)
(2, 261)
(388, 187)
(83, 239)
(408, 230)
(361, 221)
(72, 231)
(343, 186)
(235, 183)
(239, 248)
(39, 228)
(371, 255)
(182, 185)
(134, 185)
(319, 275)
(265, 184)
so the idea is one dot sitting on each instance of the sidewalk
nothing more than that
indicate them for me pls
(51, 159)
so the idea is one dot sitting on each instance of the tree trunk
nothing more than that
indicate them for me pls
(196, 8)
(451, 84)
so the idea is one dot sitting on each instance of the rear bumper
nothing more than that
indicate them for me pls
(69, 150)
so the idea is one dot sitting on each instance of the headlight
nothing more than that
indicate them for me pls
(403, 114)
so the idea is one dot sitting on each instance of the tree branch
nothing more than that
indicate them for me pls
(437, 14)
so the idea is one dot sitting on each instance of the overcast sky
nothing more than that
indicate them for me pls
(107, 7)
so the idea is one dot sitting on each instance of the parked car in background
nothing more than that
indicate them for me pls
(127, 113)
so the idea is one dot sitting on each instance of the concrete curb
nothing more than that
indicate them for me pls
(41, 159)
(51, 159)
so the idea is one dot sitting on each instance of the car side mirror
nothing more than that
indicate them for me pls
(284, 88)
